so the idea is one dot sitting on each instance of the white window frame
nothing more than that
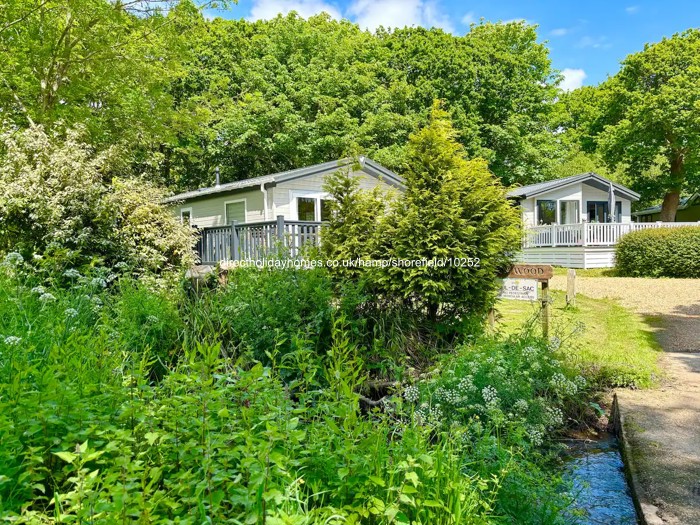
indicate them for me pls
(309, 194)
(245, 210)
(182, 211)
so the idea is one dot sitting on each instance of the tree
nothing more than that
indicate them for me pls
(454, 210)
(647, 119)
(56, 206)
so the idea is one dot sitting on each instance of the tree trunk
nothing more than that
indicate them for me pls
(670, 205)
(673, 194)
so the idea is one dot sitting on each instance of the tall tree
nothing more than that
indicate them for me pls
(646, 119)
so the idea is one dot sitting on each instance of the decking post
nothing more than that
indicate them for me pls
(280, 235)
(234, 242)
(554, 235)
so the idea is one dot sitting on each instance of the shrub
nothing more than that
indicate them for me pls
(659, 252)
(56, 204)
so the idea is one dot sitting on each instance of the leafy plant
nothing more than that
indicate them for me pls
(659, 252)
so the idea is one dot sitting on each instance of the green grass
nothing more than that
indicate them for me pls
(610, 344)
(592, 272)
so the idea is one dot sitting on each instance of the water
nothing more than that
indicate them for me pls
(599, 484)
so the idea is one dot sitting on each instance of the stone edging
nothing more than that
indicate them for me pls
(647, 513)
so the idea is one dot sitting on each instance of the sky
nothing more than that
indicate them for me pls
(587, 39)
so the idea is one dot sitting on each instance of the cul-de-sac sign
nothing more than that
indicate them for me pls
(518, 289)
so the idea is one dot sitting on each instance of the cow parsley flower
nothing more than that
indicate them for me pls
(98, 282)
(411, 394)
(490, 395)
(39, 290)
(71, 273)
(46, 297)
(14, 259)
(12, 340)
(71, 312)
(520, 406)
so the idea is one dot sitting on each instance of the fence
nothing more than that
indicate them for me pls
(589, 234)
(256, 240)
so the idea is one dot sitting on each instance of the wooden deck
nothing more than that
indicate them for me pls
(256, 240)
(588, 234)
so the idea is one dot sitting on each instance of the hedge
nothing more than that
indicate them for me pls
(660, 252)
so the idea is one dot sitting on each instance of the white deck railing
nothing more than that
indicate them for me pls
(589, 234)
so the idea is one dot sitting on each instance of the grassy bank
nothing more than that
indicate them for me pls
(610, 344)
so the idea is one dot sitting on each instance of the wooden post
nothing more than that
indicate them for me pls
(571, 287)
(545, 309)
(235, 255)
(492, 320)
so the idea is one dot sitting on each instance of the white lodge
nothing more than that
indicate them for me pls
(576, 221)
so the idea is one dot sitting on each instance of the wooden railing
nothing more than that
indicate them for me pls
(589, 234)
(256, 240)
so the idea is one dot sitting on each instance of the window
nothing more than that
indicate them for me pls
(306, 208)
(598, 211)
(186, 216)
(235, 211)
(569, 212)
(312, 207)
(546, 212)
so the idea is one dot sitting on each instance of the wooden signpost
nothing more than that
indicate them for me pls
(520, 284)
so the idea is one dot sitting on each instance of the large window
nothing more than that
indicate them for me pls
(598, 211)
(569, 212)
(235, 211)
(546, 212)
(313, 208)
(306, 208)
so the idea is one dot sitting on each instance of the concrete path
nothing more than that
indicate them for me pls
(662, 425)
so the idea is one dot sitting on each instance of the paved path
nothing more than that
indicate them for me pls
(663, 424)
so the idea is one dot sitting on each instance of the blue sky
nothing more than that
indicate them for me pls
(587, 39)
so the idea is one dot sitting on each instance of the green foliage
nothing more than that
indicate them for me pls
(355, 224)
(87, 435)
(453, 210)
(645, 118)
(265, 312)
(56, 205)
(659, 252)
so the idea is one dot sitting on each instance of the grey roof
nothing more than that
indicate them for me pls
(682, 205)
(368, 166)
(592, 178)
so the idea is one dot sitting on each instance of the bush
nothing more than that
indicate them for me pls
(60, 201)
(660, 252)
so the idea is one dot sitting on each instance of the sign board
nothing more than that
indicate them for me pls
(518, 289)
(540, 272)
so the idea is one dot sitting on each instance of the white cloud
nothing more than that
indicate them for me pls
(632, 9)
(267, 9)
(469, 19)
(599, 42)
(518, 20)
(573, 79)
(560, 31)
(370, 14)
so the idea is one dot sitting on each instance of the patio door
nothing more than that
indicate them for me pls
(569, 212)
(598, 211)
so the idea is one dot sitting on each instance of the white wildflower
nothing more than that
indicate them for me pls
(12, 340)
(152, 319)
(554, 343)
(71, 312)
(46, 297)
(411, 394)
(520, 406)
(71, 273)
(39, 290)
(14, 259)
(490, 395)
(98, 282)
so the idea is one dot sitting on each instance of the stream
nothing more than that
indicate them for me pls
(602, 495)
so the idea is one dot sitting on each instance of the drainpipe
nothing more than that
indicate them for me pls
(218, 180)
(264, 192)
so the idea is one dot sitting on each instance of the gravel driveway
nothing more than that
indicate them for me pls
(662, 424)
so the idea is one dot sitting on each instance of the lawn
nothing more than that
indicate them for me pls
(612, 344)
(591, 272)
